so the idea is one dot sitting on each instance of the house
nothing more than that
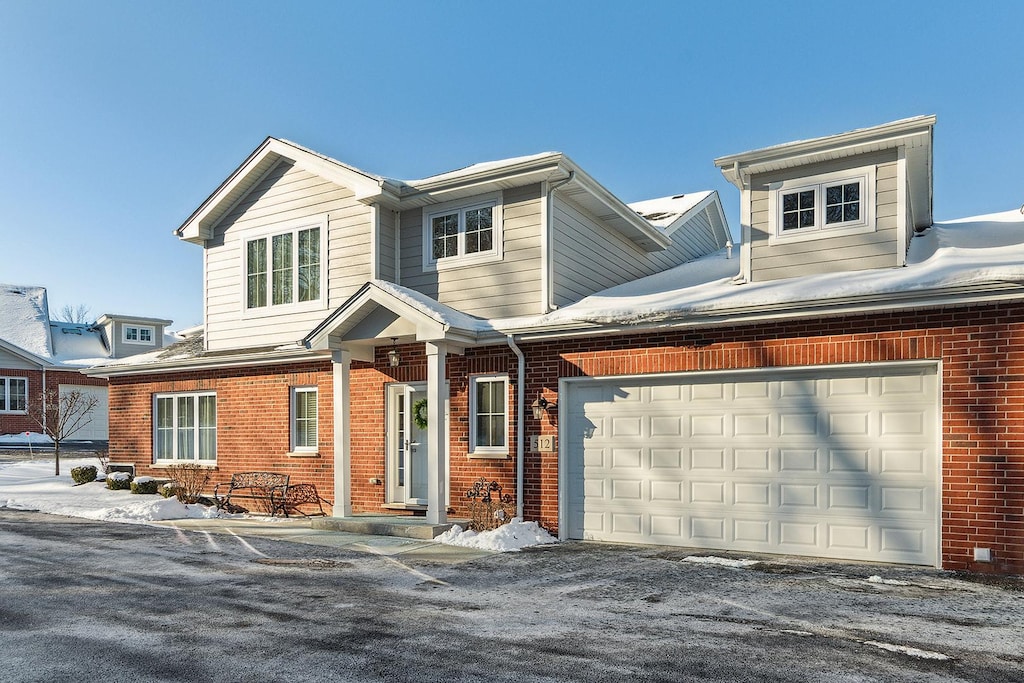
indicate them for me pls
(843, 384)
(39, 356)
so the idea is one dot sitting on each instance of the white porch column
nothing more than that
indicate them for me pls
(437, 430)
(342, 366)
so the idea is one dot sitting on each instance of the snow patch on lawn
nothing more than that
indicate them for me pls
(25, 439)
(909, 651)
(510, 537)
(33, 486)
(887, 582)
(720, 561)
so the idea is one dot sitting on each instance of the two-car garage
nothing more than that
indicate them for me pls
(830, 462)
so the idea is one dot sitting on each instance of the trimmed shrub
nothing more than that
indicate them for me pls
(145, 485)
(83, 475)
(119, 481)
(190, 479)
(168, 490)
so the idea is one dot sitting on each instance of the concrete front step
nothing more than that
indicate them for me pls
(377, 525)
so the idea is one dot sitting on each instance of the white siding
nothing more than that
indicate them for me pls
(286, 194)
(9, 360)
(831, 254)
(493, 290)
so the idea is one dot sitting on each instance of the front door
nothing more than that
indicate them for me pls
(407, 445)
(407, 471)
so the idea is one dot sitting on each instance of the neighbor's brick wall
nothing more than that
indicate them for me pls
(982, 388)
(12, 423)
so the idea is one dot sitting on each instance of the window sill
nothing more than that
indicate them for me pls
(487, 456)
(819, 234)
(303, 454)
(163, 464)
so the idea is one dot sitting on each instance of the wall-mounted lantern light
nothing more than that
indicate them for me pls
(541, 405)
(393, 358)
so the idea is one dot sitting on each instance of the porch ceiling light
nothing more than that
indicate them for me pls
(393, 358)
(540, 406)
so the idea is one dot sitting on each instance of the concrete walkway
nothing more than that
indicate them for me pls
(301, 531)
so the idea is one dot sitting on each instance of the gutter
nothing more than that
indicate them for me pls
(520, 424)
(546, 267)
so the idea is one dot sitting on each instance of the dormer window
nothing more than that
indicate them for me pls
(284, 268)
(457, 234)
(823, 206)
(138, 334)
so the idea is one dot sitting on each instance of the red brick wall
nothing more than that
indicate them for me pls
(15, 423)
(253, 432)
(982, 383)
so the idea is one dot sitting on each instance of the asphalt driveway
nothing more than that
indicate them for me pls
(82, 600)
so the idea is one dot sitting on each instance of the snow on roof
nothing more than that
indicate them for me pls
(664, 211)
(25, 318)
(976, 251)
(481, 167)
(77, 345)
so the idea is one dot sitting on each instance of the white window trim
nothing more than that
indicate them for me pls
(293, 417)
(138, 329)
(866, 224)
(5, 389)
(486, 451)
(174, 431)
(496, 253)
(267, 233)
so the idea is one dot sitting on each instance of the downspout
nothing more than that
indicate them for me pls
(520, 423)
(44, 399)
(549, 304)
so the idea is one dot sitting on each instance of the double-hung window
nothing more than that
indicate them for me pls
(284, 268)
(488, 401)
(823, 206)
(13, 395)
(462, 234)
(185, 427)
(304, 419)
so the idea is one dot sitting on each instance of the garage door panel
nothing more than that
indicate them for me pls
(824, 466)
(96, 427)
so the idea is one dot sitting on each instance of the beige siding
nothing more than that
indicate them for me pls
(828, 254)
(588, 257)
(386, 268)
(8, 361)
(285, 195)
(509, 287)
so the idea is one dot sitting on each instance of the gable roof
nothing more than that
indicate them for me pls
(554, 167)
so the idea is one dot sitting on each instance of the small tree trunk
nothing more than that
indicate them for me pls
(56, 456)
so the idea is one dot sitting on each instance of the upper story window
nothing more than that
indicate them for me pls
(185, 427)
(284, 268)
(823, 206)
(13, 395)
(457, 234)
(488, 402)
(138, 334)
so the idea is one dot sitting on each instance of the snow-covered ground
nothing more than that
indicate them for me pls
(31, 485)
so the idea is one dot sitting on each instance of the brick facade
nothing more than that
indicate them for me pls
(40, 382)
(980, 349)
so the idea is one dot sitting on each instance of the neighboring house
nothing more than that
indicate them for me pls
(844, 384)
(38, 356)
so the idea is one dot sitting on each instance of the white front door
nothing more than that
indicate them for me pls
(407, 446)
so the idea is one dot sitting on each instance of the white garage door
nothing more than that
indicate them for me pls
(829, 463)
(97, 428)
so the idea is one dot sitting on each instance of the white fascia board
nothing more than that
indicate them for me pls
(862, 140)
(702, 205)
(205, 363)
(526, 172)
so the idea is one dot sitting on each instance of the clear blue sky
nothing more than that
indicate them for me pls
(117, 119)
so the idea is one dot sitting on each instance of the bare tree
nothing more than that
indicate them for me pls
(75, 314)
(62, 415)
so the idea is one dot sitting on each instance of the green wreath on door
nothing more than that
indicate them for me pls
(419, 413)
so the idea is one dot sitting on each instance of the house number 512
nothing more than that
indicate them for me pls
(544, 444)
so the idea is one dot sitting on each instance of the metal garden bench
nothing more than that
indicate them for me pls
(268, 489)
